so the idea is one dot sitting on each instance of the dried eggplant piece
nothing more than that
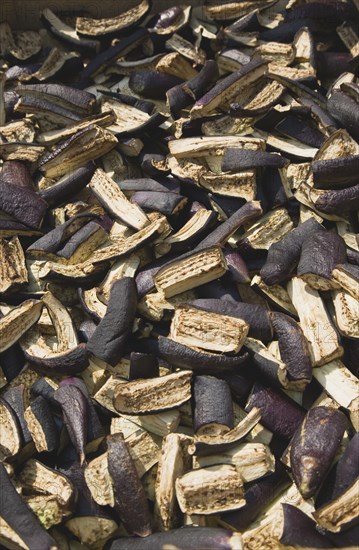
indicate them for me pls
(213, 409)
(324, 345)
(347, 276)
(153, 394)
(78, 101)
(338, 172)
(275, 294)
(207, 330)
(341, 512)
(124, 21)
(244, 159)
(24, 204)
(23, 46)
(55, 239)
(21, 151)
(43, 111)
(143, 365)
(321, 426)
(212, 443)
(174, 462)
(110, 195)
(152, 84)
(284, 255)
(227, 89)
(130, 499)
(251, 460)
(345, 110)
(211, 145)
(347, 468)
(41, 424)
(335, 201)
(110, 336)
(293, 348)
(83, 243)
(51, 137)
(189, 538)
(88, 144)
(13, 272)
(20, 527)
(74, 409)
(346, 313)
(67, 34)
(199, 361)
(15, 323)
(259, 496)
(10, 433)
(319, 254)
(210, 490)
(190, 233)
(106, 56)
(280, 414)
(188, 272)
(16, 398)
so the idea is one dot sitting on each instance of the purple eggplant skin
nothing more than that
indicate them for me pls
(258, 494)
(338, 172)
(240, 384)
(284, 255)
(16, 172)
(130, 498)
(143, 365)
(347, 468)
(320, 253)
(221, 289)
(42, 388)
(12, 361)
(77, 99)
(24, 204)
(167, 18)
(337, 201)
(16, 399)
(148, 184)
(184, 357)
(280, 414)
(20, 517)
(108, 55)
(181, 96)
(71, 362)
(95, 430)
(152, 84)
(86, 330)
(54, 239)
(109, 339)
(142, 104)
(260, 325)
(40, 408)
(299, 529)
(186, 538)
(345, 110)
(313, 447)
(69, 185)
(86, 45)
(144, 278)
(164, 202)
(236, 266)
(250, 211)
(293, 127)
(293, 347)
(79, 237)
(74, 410)
(346, 539)
(212, 402)
(235, 160)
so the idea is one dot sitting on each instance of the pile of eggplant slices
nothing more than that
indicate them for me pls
(179, 265)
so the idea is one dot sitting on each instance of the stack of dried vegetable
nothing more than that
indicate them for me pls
(179, 265)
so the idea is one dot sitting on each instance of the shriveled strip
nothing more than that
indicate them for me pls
(154, 394)
(36, 477)
(270, 229)
(208, 145)
(338, 514)
(99, 482)
(346, 313)
(10, 436)
(347, 276)
(210, 490)
(62, 321)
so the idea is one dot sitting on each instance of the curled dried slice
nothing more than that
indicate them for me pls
(341, 512)
(10, 435)
(13, 270)
(41, 424)
(100, 27)
(154, 394)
